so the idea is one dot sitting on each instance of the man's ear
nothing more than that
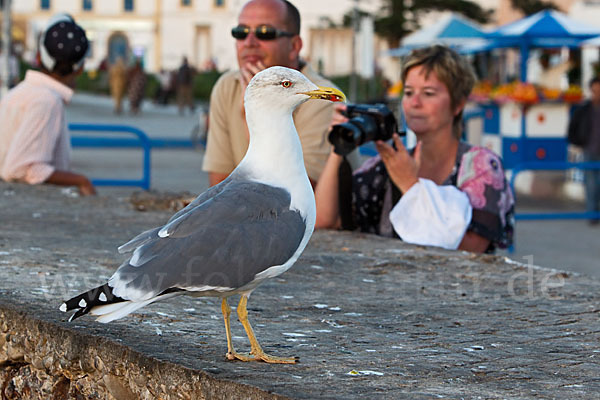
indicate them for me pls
(296, 47)
(39, 64)
(79, 70)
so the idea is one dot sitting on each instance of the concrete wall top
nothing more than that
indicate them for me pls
(369, 317)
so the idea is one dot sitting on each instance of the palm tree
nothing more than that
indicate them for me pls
(529, 7)
(401, 17)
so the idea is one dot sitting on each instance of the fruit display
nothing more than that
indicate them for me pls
(573, 94)
(503, 93)
(550, 94)
(481, 91)
(523, 92)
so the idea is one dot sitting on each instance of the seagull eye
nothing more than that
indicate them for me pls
(286, 84)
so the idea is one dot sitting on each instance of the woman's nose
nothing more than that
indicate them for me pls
(414, 100)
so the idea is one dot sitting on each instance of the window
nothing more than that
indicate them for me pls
(219, 3)
(44, 4)
(87, 5)
(128, 5)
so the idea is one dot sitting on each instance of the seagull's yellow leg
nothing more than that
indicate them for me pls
(257, 351)
(231, 354)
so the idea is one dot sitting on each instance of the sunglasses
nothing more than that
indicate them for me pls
(262, 32)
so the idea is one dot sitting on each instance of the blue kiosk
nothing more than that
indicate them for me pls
(524, 133)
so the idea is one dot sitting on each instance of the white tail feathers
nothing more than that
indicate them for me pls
(111, 312)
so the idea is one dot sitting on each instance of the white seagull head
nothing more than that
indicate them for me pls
(288, 88)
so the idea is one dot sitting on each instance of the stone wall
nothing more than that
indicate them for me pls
(42, 360)
(368, 317)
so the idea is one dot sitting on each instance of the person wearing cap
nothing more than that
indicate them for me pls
(34, 141)
(267, 35)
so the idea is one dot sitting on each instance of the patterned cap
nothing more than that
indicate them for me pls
(63, 41)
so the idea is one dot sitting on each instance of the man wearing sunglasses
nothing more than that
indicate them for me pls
(267, 35)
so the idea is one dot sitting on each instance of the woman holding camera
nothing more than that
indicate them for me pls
(444, 192)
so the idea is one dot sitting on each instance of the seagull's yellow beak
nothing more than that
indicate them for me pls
(326, 93)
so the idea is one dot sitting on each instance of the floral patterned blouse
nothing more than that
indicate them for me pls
(478, 172)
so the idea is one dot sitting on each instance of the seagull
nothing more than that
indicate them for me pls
(251, 227)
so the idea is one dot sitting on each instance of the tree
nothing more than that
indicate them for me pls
(529, 7)
(401, 17)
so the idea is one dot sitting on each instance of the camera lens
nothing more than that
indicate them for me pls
(349, 135)
(368, 122)
(368, 127)
(344, 137)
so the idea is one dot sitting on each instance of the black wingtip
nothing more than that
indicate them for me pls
(84, 302)
(79, 313)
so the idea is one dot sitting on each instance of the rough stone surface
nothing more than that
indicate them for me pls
(368, 317)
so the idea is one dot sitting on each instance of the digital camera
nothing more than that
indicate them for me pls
(367, 122)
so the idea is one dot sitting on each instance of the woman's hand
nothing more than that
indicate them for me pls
(401, 167)
(338, 115)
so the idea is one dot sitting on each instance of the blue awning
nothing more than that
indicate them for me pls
(452, 30)
(546, 24)
(547, 28)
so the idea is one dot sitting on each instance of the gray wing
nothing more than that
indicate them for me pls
(224, 242)
(146, 236)
(204, 196)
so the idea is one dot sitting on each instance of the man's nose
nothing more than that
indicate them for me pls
(251, 39)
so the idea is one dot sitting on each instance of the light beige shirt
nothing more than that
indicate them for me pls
(34, 140)
(227, 139)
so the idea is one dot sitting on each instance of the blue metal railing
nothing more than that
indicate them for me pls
(553, 166)
(545, 216)
(141, 141)
(172, 143)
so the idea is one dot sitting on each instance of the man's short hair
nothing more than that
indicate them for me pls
(594, 80)
(292, 18)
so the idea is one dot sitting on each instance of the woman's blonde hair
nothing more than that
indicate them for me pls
(450, 68)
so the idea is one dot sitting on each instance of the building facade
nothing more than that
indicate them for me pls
(162, 32)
